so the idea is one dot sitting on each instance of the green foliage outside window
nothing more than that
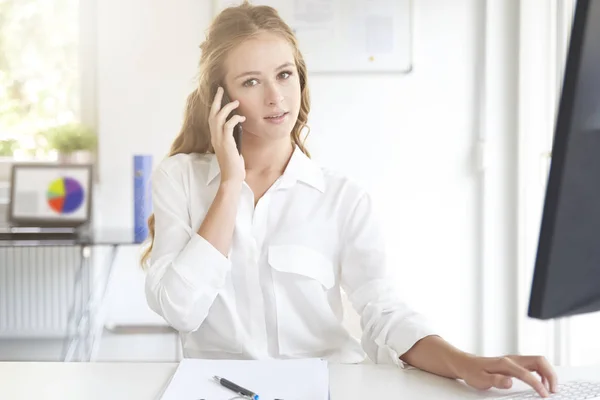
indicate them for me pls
(39, 72)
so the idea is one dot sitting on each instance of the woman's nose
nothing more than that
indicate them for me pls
(273, 95)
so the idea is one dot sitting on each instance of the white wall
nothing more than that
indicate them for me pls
(409, 139)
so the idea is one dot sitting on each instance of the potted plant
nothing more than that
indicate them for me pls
(7, 152)
(8, 147)
(74, 143)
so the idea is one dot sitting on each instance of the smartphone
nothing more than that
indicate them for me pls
(237, 130)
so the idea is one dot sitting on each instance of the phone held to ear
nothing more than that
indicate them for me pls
(237, 129)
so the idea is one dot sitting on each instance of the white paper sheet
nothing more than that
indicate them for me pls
(270, 379)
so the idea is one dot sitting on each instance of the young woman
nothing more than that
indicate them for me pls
(249, 252)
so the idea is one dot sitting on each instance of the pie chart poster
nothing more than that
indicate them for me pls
(52, 193)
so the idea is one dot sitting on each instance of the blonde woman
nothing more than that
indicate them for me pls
(249, 252)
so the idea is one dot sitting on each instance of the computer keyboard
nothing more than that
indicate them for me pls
(574, 390)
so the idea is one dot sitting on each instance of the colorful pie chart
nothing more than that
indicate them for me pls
(65, 195)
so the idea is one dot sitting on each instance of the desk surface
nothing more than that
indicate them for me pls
(142, 381)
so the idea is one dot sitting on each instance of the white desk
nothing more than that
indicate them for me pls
(132, 381)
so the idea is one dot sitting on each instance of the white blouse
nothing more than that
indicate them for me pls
(278, 293)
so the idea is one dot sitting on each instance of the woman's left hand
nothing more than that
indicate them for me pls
(486, 372)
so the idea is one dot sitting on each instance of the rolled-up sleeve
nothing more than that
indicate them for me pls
(390, 327)
(185, 272)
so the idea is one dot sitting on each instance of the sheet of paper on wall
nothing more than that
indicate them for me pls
(375, 26)
(379, 32)
(271, 379)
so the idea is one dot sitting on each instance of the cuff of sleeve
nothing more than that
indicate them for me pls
(201, 264)
(403, 337)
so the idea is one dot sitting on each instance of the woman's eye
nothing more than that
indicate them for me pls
(285, 74)
(250, 82)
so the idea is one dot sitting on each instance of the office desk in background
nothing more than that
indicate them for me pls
(146, 381)
(53, 286)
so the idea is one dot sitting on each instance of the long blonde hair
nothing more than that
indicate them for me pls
(230, 28)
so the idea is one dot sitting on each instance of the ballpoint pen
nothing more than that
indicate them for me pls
(235, 388)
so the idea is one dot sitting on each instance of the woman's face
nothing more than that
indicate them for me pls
(261, 74)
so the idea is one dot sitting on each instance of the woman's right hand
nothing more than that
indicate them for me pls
(231, 162)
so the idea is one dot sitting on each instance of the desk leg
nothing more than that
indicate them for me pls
(97, 324)
(76, 317)
(88, 297)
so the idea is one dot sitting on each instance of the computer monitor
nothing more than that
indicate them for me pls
(566, 280)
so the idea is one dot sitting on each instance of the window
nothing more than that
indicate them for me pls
(40, 74)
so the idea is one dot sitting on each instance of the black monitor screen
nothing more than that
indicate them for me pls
(567, 270)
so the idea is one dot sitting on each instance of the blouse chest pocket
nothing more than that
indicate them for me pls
(303, 262)
(306, 322)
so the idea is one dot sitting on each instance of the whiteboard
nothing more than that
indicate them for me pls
(347, 35)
